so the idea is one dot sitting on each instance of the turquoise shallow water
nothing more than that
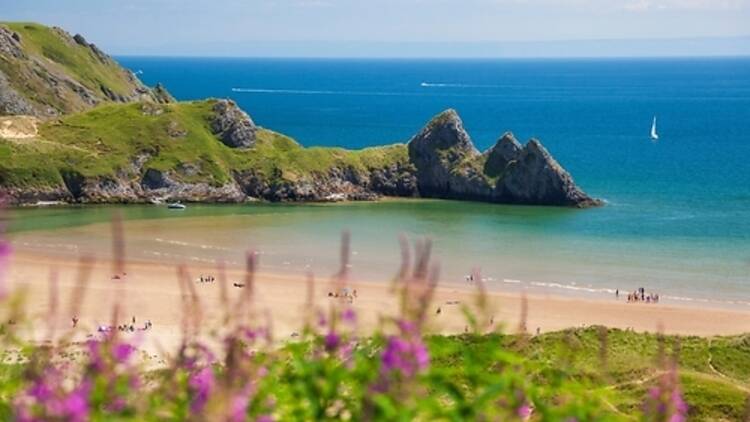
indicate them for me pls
(549, 250)
(678, 212)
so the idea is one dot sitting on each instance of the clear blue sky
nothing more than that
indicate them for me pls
(399, 27)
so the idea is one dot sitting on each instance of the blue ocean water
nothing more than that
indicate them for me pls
(680, 205)
(593, 115)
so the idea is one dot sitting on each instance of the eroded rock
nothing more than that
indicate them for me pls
(232, 125)
(449, 166)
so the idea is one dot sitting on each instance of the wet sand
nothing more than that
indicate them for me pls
(151, 291)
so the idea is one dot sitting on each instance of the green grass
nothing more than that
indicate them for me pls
(52, 52)
(74, 59)
(628, 367)
(105, 141)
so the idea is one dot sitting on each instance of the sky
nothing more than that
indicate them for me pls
(400, 28)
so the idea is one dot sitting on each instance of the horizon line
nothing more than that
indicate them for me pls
(478, 58)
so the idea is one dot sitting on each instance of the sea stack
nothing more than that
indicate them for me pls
(448, 165)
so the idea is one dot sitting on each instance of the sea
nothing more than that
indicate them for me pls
(677, 213)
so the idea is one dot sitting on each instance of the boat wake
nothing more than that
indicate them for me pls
(315, 92)
(454, 85)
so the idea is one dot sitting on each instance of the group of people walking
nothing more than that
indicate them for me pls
(640, 295)
(206, 279)
(345, 294)
(127, 327)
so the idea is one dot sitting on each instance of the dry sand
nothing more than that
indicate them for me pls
(150, 292)
(18, 127)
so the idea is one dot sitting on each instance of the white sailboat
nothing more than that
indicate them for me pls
(654, 135)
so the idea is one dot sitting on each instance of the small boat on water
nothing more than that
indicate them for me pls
(176, 206)
(654, 135)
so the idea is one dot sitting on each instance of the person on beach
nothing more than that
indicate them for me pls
(617, 293)
(75, 321)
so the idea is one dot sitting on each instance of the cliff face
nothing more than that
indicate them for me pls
(232, 125)
(449, 166)
(46, 72)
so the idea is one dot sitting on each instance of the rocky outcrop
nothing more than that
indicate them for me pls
(10, 44)
(438, 151)
(161, 95)
(536, 178)
(11, 102)
(338, 184)
(395, 180)
(232, 125)
(506, 150)
(449, 166)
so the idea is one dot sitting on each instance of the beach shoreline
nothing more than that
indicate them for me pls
(149, 291)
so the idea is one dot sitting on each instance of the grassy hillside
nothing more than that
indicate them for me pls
(108, 139)
(622, 365)
(55, 71)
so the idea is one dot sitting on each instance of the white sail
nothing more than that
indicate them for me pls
(654, 135)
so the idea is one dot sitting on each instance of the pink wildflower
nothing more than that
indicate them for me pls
(349, 316)
(664, 401)
(524, 412)
(201, 383)
(406, 356)
(332, 341)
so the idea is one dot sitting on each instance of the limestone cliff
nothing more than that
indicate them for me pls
(449, 166)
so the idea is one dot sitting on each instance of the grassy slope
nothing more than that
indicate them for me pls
(61, 55)
(106, 139)
(718, 390)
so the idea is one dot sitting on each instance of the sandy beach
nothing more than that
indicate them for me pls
(150, 291)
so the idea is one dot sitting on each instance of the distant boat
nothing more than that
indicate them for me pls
(654, 135)
(176, 206)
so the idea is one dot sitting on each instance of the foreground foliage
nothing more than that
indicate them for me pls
(239, 372)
